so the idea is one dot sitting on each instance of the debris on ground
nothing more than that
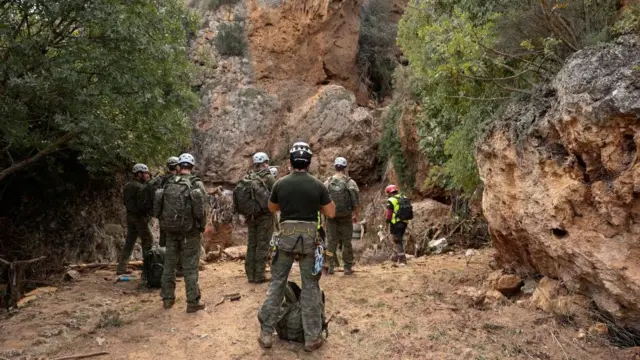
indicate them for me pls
(438, 246)
(235, 252)
(231, 297)
(71, 275)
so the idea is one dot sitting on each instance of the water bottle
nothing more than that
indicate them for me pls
(125, 277)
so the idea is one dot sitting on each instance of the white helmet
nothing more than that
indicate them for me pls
(274, 171)
(187, 158)
(301, 146)
(173, 161)
(259, 158)
(140, 167)
(340, 161)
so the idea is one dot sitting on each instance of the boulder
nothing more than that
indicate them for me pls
(494, 298)
(550, 296)
(471, 296)
(236, 252)
(72, 275)
(438, 246)
(547, 290)
(562, 179)
(508, 284)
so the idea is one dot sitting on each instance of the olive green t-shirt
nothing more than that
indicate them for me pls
(300, 197)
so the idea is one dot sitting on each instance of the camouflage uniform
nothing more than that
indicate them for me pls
(339, 232)
(184, 247)
(260, 229)
(307, 195)
(137, 222)
(310, 297)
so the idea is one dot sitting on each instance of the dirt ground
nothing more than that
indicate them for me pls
(382, 312)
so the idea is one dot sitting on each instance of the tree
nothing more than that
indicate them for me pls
(471, 57)
(107, 79)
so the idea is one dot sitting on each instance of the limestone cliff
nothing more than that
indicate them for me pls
(296, 82)
(562, 179)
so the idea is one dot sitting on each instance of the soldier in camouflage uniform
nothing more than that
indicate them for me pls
(340, 228)
(260, 228)
(187, 246)
(158, 183)
(137, 216)
(298, 196)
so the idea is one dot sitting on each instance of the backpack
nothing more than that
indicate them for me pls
(251, 195)
(153, 266)
(289, 325)
(150, 190)
(405, 210)
(341, 195)
(178, 205)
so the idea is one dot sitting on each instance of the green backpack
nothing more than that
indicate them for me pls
(178, 205)
(289, 325)
(251, 195)
(341, 195)
(153, 267)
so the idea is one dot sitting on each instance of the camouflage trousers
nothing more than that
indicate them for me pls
(339, 232)
(310, 298)
(163, 242)
(187, 247)
(398, 230)
(260, 231)
(137, 226)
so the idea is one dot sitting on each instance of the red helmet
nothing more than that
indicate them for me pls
(391, 189)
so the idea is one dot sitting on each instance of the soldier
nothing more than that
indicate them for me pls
(260, 224)
(399, 212)
(183, 231)
(298, 196)
(137, 216)
(344, 193)
(158, 183)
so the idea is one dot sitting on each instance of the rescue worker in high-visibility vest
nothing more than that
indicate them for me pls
(397, 227)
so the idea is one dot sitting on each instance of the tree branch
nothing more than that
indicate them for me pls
(44, 152)
(21, 262)
(479, 98)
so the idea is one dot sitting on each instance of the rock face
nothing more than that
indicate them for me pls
(295, 84)
(562, 180)
(298, 45)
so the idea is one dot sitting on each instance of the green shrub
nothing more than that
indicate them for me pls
(391, 148)
(211, 5)
(376, 58)
(469, 58)
(229, 40)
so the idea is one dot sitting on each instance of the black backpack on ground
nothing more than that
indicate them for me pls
(153, 266)
(405, 209)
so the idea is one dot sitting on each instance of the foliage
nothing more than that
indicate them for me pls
(229, 40)
(107, 79)
(376, 58)
(470, 57)
(391, 147)
(629, 22)
(211, 5)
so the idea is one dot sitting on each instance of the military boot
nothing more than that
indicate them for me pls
(191, 308)
(265, 339)
(313, 345)
(168, 304)
(348, 271)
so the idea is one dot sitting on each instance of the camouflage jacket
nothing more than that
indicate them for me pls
(134, 198)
